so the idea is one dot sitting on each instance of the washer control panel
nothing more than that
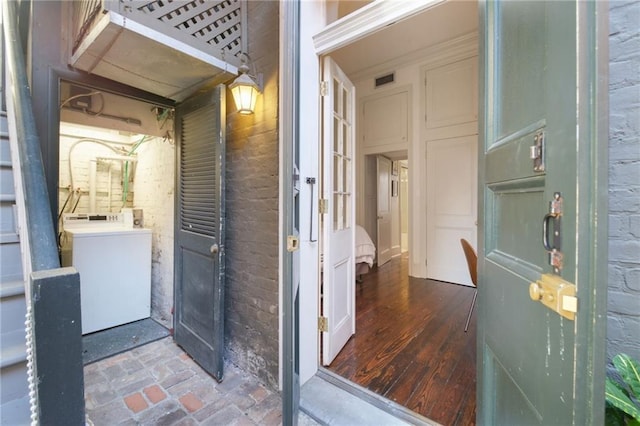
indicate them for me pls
(71, 219)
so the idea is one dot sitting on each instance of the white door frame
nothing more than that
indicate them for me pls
(316, 39)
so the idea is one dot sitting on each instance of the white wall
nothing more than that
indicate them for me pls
(409, 78)
(406, 80)
(313, 16)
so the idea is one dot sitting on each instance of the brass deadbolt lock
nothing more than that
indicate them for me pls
(556, 294)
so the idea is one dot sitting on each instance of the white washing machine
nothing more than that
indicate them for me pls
(114, 262)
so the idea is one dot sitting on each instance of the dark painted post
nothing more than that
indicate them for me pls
(291, 260)
(56, 321)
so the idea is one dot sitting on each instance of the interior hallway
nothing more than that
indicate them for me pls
(410, 345)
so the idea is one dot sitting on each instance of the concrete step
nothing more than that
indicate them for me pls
(11, 288)
(9, 237)
(7, 218)
(14, 348)
(5, 148)
(11, 262)
(14, 391)
(6, 180)
(8, 198)
(330, 405)
(13, 317)
(15, 411)
(14, 395)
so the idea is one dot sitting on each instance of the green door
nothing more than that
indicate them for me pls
(199, 235)
(540, 80)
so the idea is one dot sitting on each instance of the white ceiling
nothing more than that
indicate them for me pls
(448, 20)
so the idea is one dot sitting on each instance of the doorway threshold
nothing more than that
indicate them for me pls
(333, 400)
(115, 340)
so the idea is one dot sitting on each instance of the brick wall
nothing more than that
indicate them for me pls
(252, 211)
(623, 331)
(154, 193)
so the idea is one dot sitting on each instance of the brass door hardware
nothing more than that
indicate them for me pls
(555, 293)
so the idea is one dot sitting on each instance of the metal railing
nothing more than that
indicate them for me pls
(42, 243)
(53, 325)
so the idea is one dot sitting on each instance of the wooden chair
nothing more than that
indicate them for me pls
(472, 263)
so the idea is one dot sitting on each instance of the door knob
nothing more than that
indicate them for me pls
(214, 249)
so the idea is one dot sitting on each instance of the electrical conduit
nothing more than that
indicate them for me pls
(125, 188)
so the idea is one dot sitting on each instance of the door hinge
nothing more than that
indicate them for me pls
(323, 88)
(292, 243)
(556, 294)
(323, 324)
(323, 206)
(536, 151)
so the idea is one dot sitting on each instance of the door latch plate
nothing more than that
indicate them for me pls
(556, 294)
(292, 243)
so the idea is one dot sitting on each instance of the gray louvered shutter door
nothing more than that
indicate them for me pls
(199, 256)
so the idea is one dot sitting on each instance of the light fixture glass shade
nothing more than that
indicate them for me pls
(245, 93)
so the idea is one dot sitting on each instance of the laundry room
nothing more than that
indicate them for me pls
(117, 178)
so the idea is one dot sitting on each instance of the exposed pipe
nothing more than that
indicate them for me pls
(116, 158)
(75, 206)
(128, 120)
(64, 206)
(125, 186)
(73, 145)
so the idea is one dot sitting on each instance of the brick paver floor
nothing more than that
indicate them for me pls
(159, 384)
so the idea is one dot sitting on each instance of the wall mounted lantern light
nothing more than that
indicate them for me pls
(245, 89)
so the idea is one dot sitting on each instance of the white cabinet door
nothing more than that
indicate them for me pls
(451, 206)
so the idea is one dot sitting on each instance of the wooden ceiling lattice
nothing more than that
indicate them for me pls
(168, 47)
(217, 23)
(84, 13)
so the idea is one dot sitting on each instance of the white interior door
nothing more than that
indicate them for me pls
(338, 304)
(384, 210)
(451, 206)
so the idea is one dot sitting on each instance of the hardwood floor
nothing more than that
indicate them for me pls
(410, 345)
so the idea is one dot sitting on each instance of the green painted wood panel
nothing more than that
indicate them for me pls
(534, 77)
